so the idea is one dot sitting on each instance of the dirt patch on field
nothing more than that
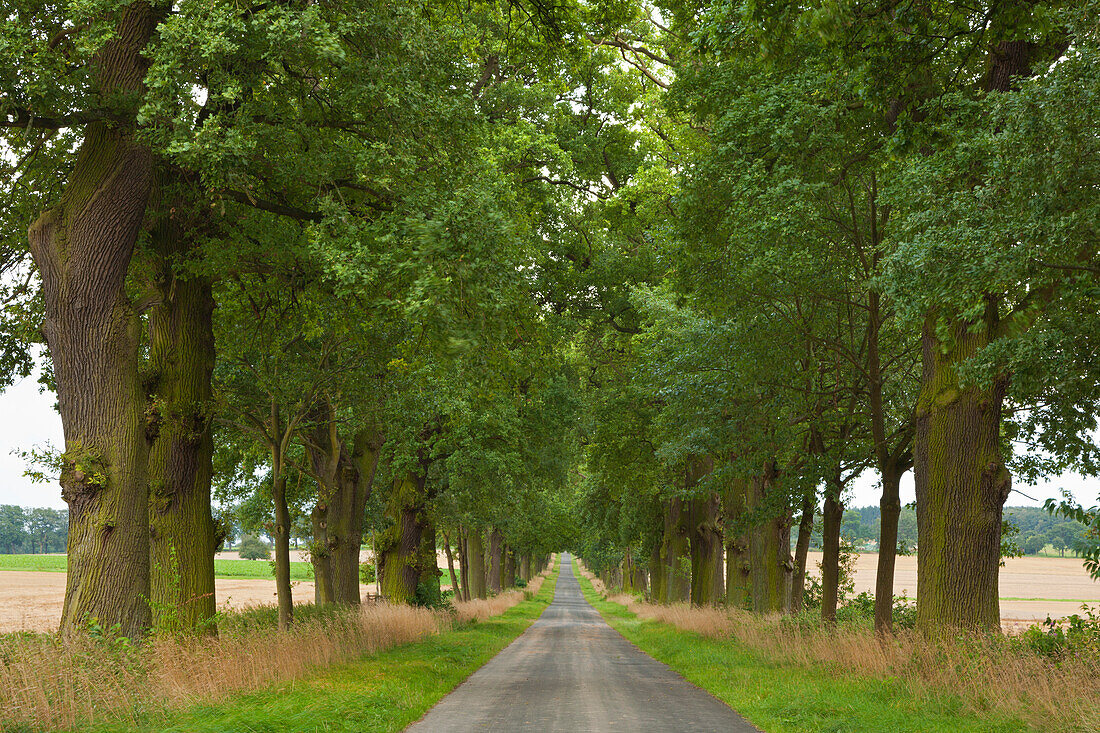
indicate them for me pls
(1060, 584)
(32, 601)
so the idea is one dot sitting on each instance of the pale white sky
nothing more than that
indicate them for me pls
(29, 420)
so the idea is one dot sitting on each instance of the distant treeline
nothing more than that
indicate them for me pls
(1031, 529)
(32, 531)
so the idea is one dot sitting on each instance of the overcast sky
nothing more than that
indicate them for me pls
(29, 420)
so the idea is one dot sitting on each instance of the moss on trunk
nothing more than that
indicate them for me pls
(770, 544)
(674, 549)
(508, 580)
(182, 532)
(738, 563)
(476, 548)
(82, 249)
(496, 550)
(961, 485)
(407, 548)
(706, 551)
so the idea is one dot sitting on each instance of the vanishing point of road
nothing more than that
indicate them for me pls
(570, 671)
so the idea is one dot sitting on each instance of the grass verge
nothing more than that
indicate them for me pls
(380, 692)
(781, 697)
(338, 668)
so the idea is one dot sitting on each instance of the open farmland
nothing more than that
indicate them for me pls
(1031, 588)
(31, 601)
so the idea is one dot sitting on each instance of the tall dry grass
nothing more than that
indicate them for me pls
(479, 610)
(47, 684)
(990, 673)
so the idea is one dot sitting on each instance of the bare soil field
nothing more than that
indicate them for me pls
(1031, 587)
(32, 601)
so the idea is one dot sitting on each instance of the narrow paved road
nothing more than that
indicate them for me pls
(570, 671)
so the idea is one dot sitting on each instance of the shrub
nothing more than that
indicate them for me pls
(366, 572)
(1058, 639)
(253, 548)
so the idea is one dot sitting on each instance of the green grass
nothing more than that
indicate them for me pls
(381, 692)
(1057, 600)
(239, 569)
(259, 569)
(781, 698)
(36, 563)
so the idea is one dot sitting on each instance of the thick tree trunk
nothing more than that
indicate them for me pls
(476, 580)
(802, 549)
(525, 567)
(496, 547)
(183, 536)
(890, 506)
(82, 249)
(323, 585)
(770, 546)
(674, 546)
(366, 451)
(961, 486)
(345, 481)
(509, 579)
(427, 566)
(401, 545)
(738, 562)
(706, 551)
(830, 554)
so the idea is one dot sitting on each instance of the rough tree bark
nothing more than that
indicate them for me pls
(633, 574)
(961, 486)
(476, 548)
(345, 479)
(961, 479)
(82, 249)
(509, 579)
(769, 545)
(402, 546)
(738, 563)
(674, 545)
(496, 547)
(706, 551)
(182, 534)
(525, 567)
(704, 535)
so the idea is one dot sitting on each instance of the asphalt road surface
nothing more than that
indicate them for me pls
(570, 671)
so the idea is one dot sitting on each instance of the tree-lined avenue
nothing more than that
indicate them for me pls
(572, 672)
